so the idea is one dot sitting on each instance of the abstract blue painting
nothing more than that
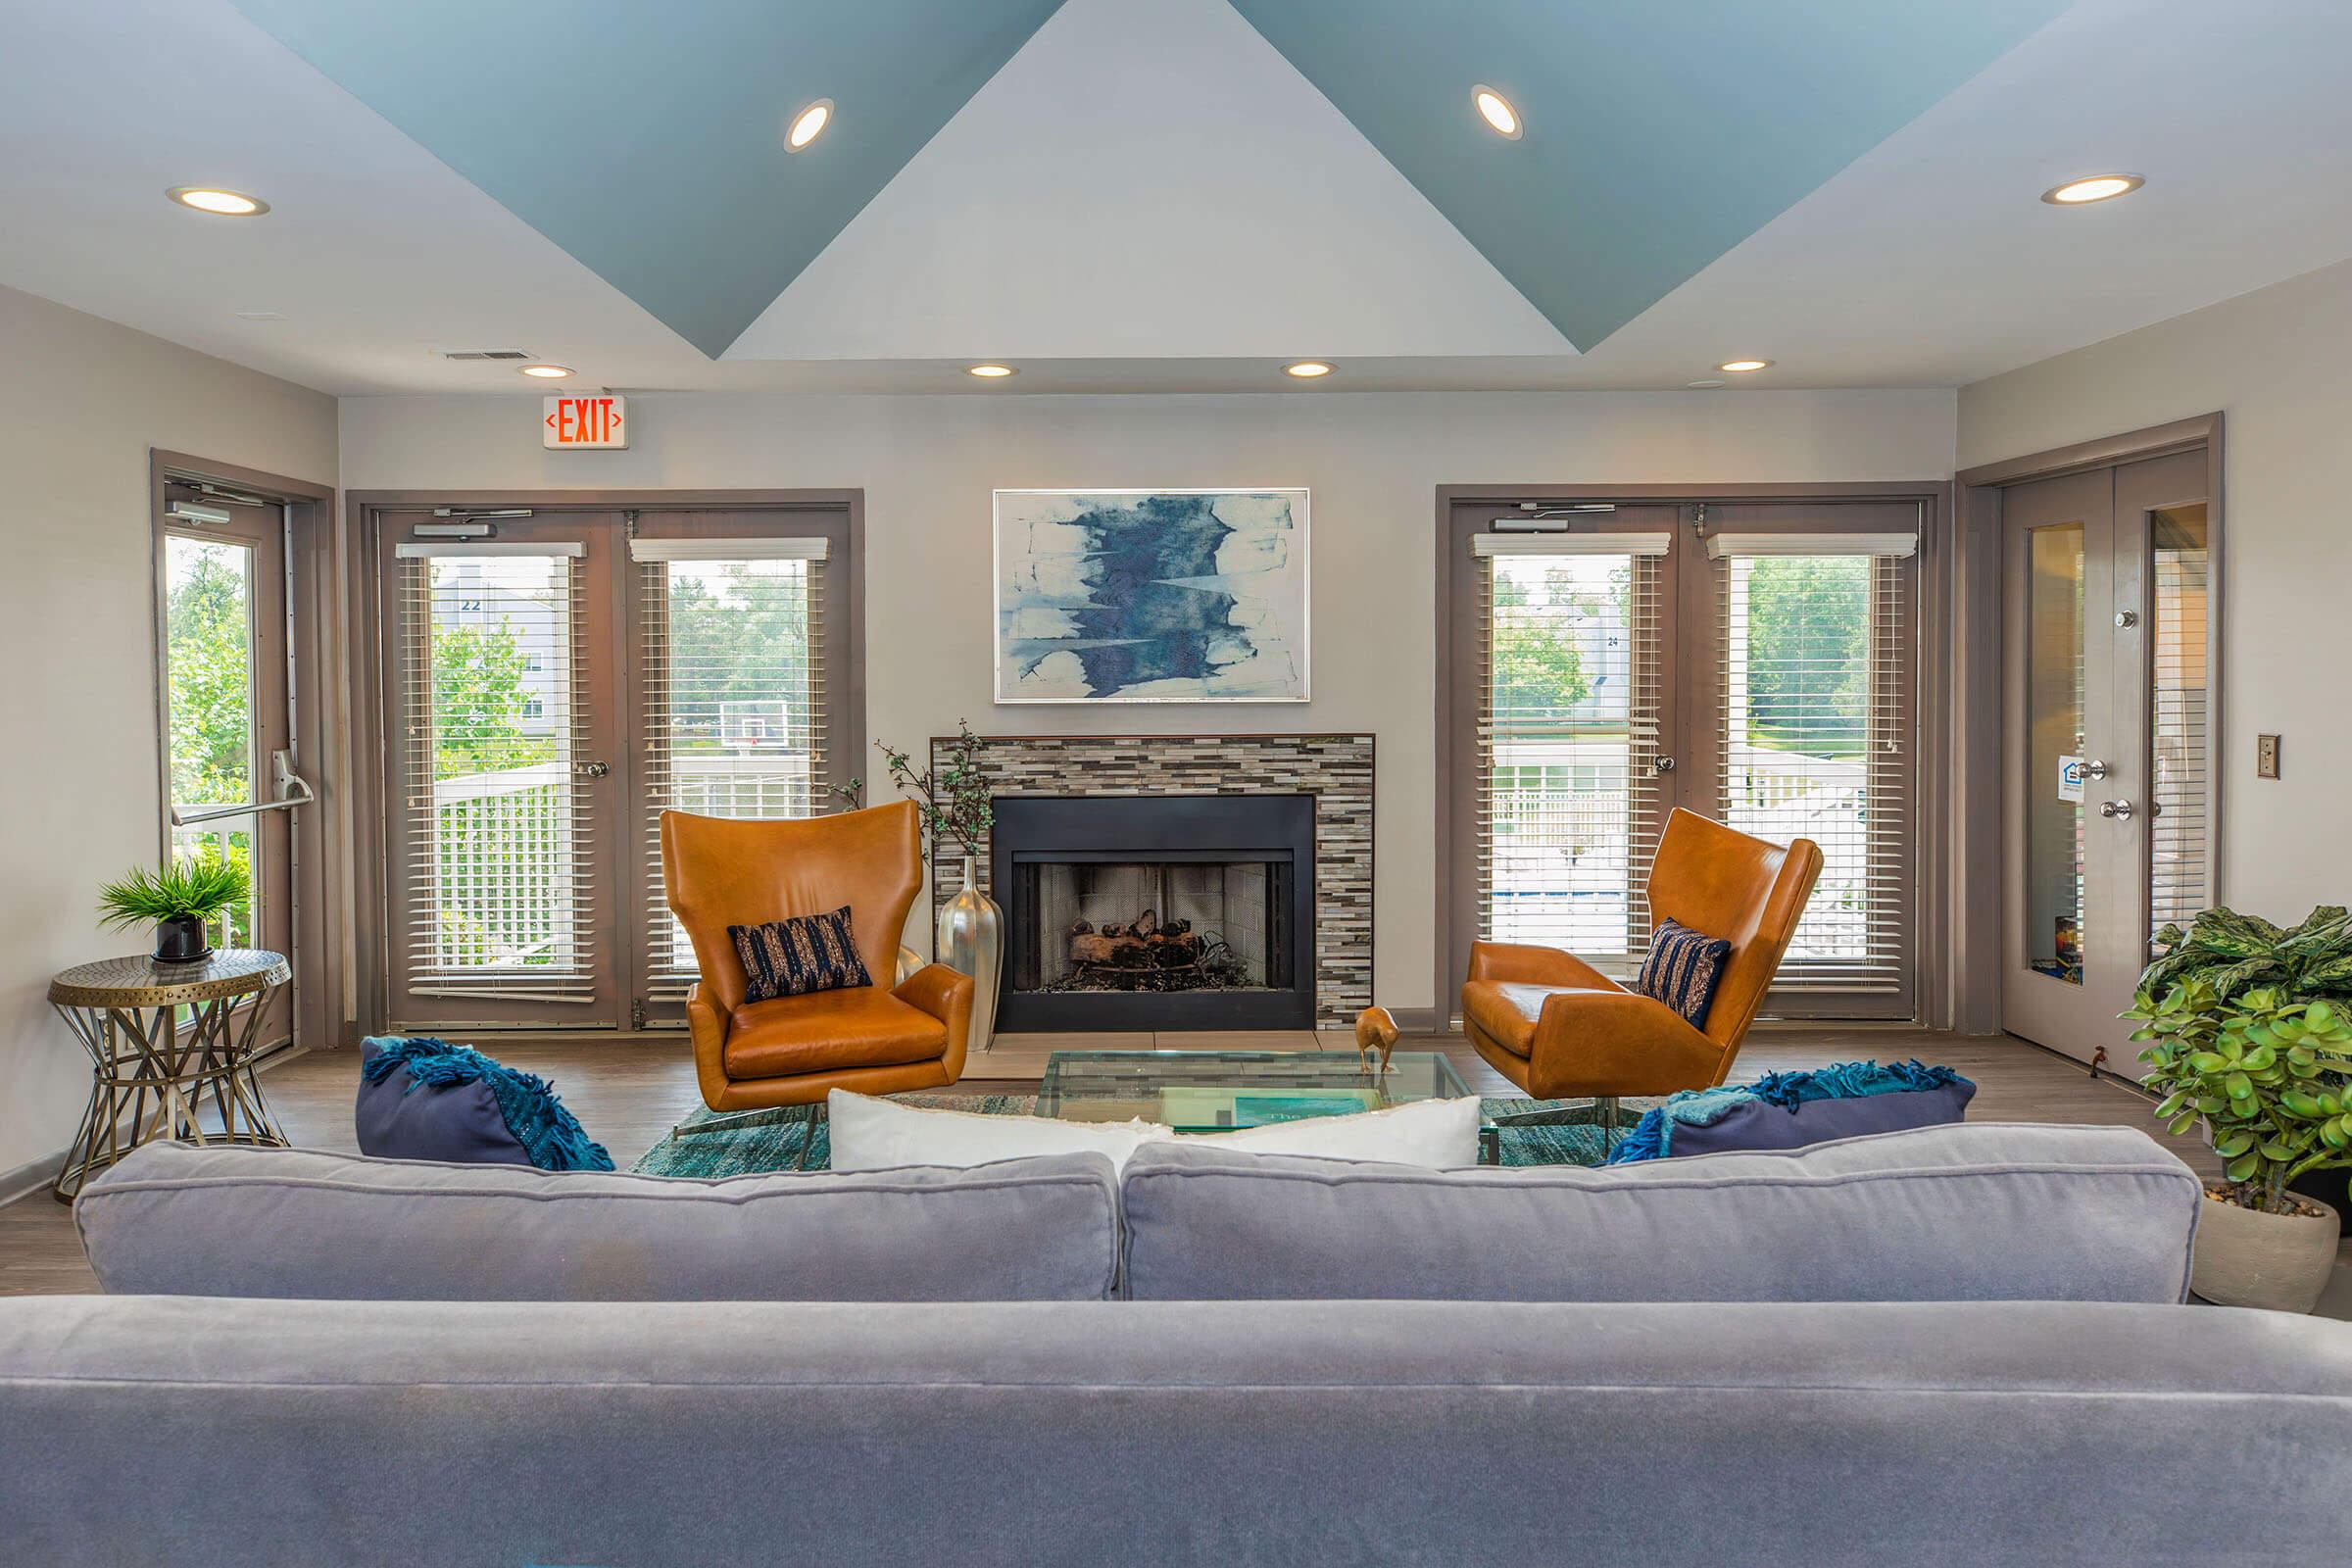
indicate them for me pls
(1151, 596)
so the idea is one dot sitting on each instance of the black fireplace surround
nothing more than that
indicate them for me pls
(1258, 850)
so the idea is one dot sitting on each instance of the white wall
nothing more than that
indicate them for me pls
(81, 402)
(2274, 362)
(1373, 459)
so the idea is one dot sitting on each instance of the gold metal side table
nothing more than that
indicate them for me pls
(161, 1038)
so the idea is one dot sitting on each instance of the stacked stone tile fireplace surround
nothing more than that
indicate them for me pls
(1333, 954)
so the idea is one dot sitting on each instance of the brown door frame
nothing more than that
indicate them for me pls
(317, 715)
(1978, 824)
(1936, 566)
(371, 823)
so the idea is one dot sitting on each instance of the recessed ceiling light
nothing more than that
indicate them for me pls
(1744, 366)
(992, 373)
(218, 202)
(809, 124)
(1496, 110)
(1703, 386)
(2093, 188)
(1306, 370)
(546, 373)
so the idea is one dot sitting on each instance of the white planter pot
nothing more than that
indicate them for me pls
(2279, 1261)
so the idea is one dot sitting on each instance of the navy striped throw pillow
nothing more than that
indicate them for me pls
(793, 957)
(1683, 969)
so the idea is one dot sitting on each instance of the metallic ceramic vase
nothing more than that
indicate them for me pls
(971, 940)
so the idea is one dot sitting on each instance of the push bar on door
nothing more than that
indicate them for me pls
(292, 791)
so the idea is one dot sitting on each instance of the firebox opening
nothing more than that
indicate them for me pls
(1156, 926)
(1155, 911)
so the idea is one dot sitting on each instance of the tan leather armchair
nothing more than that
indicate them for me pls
(1560, 1029)
(791, 1051)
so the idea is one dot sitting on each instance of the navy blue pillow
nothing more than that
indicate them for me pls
(796, 957)
(1682, 970)
(426, 1099)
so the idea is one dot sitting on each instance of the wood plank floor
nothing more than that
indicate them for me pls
(629, 1094)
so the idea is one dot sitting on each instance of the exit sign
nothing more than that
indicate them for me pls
(585, 424)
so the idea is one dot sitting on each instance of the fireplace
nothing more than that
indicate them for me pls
(1135, 912)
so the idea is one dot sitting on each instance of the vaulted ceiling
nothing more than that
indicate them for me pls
(648, 140)
(1165, 195)
(1657, 135)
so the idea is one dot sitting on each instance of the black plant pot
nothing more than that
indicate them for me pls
(180, 940)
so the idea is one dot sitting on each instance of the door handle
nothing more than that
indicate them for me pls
(2121, 810)
(592, 769)
(2094, 769)
(1663, 764)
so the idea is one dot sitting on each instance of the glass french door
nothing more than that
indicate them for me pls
(2109, 787)
(1807, 719)
(225, 711)
(554, 685)
(505, 723)
(1575, 734)
(728, 701)
(1752, 662)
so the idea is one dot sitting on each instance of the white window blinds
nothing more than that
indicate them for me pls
(1816, 715)
(494, 719)
(734, 710)
(1570, 698)
(2180, 801)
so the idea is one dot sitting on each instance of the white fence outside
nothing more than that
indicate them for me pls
(506, 873)
(1560, 861)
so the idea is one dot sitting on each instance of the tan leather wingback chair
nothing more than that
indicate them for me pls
(790, 1050)
(1560, 1029)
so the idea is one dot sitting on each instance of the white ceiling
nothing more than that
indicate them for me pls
(1147, 179)
(1927, 261)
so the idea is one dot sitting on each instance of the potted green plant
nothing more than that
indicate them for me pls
(2250, 1031)
(181, 900)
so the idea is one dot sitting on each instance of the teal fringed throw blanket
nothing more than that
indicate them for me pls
(550, 1135)
(1653, 1138)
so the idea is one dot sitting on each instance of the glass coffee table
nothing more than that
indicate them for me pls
(1218, 1091)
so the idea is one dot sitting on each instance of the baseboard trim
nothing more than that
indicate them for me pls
(1421, 1020)
(33, 1176)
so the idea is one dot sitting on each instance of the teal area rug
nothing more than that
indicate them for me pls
(771, 1140)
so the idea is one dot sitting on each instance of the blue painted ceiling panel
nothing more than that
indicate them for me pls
(1658, 133)
(648, 138)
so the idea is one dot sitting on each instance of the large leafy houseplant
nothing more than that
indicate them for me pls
(2250, 1031)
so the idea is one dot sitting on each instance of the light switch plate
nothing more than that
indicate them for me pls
(2266, 757)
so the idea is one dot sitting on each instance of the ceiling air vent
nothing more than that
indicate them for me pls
(484, 354)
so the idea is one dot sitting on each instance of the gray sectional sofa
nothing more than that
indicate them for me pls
(1959, 1345)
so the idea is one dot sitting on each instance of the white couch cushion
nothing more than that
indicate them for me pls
(871, 1134)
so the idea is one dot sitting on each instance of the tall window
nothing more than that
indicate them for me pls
(210, 705)
(734, 721)
(1813, 735)
(2180, 693)
(1570, 693)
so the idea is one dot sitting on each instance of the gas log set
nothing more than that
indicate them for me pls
(1148, 954)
